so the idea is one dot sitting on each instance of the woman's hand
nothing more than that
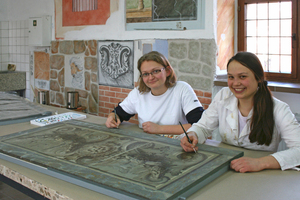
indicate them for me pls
(150, 127)
(188, 147)
(111, 122)
(246, 164)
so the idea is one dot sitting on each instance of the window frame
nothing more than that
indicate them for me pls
(295, 75)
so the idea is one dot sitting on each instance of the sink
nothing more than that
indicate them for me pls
(12, 80)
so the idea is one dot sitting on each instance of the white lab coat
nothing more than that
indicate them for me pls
(223, 113)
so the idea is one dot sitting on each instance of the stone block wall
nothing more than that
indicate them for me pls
(58, 92)
(194, 61)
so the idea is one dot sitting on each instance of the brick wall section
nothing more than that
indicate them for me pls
(204, 98)
(111, 96)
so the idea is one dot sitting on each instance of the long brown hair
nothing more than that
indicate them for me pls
(161, 59)
(262, 121)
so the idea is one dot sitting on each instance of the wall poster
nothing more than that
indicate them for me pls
(164, 15)
(115, 63)
(74, 72)
(72, 15)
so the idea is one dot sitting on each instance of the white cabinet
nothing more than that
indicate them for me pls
(40, 31)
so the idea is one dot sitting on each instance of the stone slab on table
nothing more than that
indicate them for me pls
(118, 163)
(16, 109)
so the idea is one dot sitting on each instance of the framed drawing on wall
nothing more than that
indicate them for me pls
(115, 63)
(74, 72)
(165, 15)
(72, 15)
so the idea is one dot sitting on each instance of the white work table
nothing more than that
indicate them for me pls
(267, 184)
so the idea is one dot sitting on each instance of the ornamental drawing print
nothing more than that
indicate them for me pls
(115, 63)
(75, 72)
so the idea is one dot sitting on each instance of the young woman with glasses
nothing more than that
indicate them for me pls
(160, 101)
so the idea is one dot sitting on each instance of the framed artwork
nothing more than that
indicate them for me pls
(115, 63)
(73, 15)
(164, 15)
(74, 72)
(85, 12)
(116, 162)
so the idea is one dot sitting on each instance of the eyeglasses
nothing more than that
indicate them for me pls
(154, 72)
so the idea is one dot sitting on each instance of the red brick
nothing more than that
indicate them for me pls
(101, 115)
(103, 98)
(205, 100)
(121, 95)
(116, 89)
(110, 105)
(110, 94)
(125, 90)
(101, 92)
(102, 103)
(199, 93)
(115, 100)
(207, 94)
(103, 87)
(103, 110)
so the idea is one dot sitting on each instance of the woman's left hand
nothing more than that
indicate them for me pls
(150, 127)
(246, 164)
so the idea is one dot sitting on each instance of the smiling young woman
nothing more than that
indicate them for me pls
(248, 116)
(160, 101)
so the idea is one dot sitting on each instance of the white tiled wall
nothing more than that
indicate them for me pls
(14, 48)
(0, 49)
(19, 49)
(4, 44)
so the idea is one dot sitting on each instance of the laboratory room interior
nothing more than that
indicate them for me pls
(76, 61)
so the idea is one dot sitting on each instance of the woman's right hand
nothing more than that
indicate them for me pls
(188, 147)
(111, 122)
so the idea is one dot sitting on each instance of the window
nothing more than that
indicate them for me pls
(269, 29)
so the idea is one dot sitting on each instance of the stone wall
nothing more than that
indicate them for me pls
(87, 97)
(194, 61)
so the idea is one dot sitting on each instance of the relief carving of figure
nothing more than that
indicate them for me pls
(76, 65)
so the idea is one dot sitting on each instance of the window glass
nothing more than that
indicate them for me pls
(286, 46)
(286, 63)
(274, 10)
(262, 28)
(286, 10)
(262, 45)
(251, 28)
(264, 59)
(251, 11)
(251, 44)
(286, 27)
(274, 28)
(268, 34)
(262, 9)
(274, 45)
(274, 63)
